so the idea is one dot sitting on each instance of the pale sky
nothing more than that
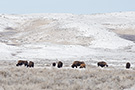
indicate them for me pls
(65, 6)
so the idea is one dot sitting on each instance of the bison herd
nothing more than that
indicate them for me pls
(25, 63)
(75, 64)
(59, 64)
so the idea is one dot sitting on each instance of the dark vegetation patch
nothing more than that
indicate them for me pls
(128, 37)
(9, 28)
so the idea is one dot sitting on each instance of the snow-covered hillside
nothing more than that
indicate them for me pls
(106, 36)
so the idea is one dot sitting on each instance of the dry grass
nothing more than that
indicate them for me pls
(66, 78)
(127, 31)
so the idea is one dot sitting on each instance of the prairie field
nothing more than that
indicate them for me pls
(51, 37)
(46, 77)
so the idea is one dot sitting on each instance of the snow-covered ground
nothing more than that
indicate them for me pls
(106, 37)
(66, 36)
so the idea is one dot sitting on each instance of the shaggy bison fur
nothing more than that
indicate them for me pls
(60, 64)
(102, 64)
(128, 65)
(22, 62)
(31, 64)
(76, 64)
(83, 65)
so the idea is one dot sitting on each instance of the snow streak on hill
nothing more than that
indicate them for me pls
(67, 36)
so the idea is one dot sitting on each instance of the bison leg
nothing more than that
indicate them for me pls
(25, 64)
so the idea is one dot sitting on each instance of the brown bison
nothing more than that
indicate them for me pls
(76, 64)
(60, 64)
(128, 65)
(54, 64)
(22, 62)
(31, 64)
(83, 65)
(102, 64)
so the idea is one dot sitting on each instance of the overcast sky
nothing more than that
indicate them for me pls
(65, 6)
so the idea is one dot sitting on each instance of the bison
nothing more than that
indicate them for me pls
(60, 64)
(102, 64)
(31, 64)
(76, 64)
(83, 65)
(21, 62)
(128, 65)
(54, 64)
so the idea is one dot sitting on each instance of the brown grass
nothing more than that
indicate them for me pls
(127, 31)
(66, 78)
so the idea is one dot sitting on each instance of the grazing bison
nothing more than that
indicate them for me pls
(21, 62)
(31, 64)
(83, 65)
(60, 64)
(54, 64)
(128, 65)
(102, 64)
(76, 64)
